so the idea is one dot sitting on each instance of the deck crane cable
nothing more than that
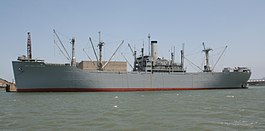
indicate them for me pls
(89, 58)
(62, 44)
(193, 63)
(220, 57)
(61, 50)
(112, 55)
(94, 50)
(127, 60)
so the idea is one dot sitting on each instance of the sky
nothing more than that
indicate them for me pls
(238, 24)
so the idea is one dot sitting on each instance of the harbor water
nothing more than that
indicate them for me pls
(234, 109)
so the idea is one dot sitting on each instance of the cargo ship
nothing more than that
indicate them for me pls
(150, 73)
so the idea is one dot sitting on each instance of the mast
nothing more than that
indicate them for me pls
(182, 56)
(100, 45)
(142, 63)
(207, 67)
(73, 60)
(29, 53)
(149, 43)
(172, 57)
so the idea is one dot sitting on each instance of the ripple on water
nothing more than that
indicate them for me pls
(240, 124)
(165, 110)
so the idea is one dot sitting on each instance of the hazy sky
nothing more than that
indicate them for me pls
(239, 24)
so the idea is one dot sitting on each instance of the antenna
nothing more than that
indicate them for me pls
(29, 54)
(174, 52)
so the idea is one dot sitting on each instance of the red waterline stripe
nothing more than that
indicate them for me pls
(111, 89)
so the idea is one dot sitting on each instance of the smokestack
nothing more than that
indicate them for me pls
(154, 53)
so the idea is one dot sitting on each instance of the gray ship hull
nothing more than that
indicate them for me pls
(40, 76)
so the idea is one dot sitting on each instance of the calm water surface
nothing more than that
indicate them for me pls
(238, 109)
